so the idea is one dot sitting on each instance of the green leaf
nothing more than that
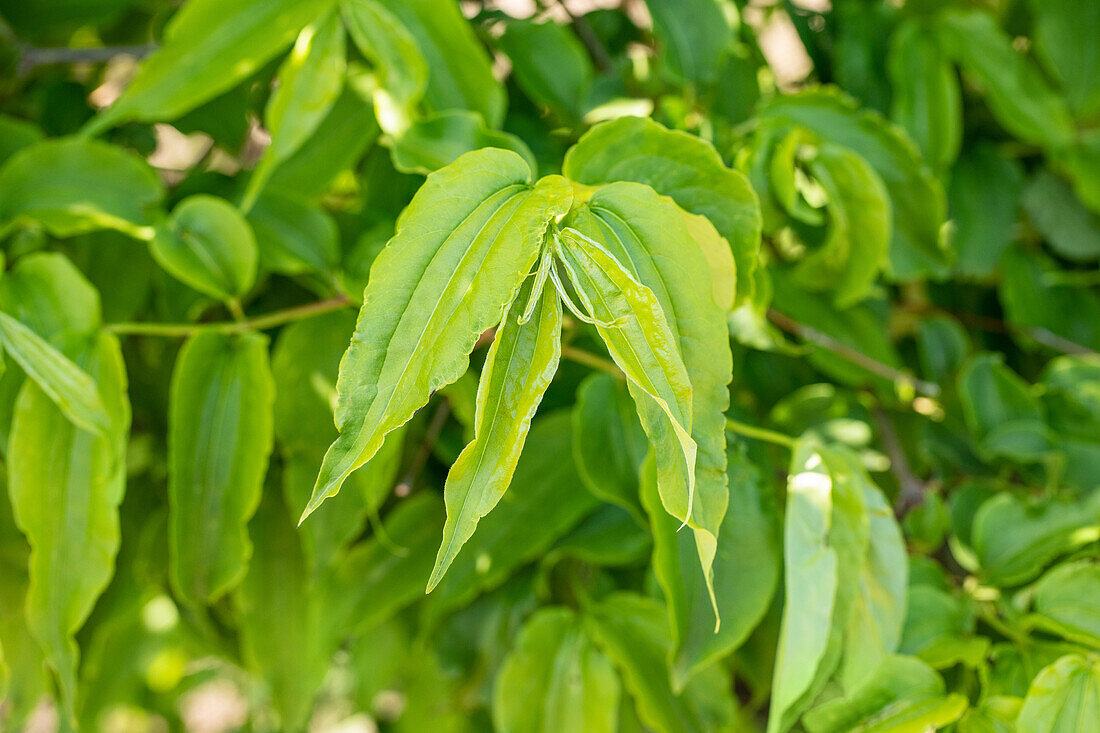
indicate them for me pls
(67, 385)
(47, 293)
(1033, 298)
(460, 74)
(398, 62)
(71, 186)
(555, 679)
(609, 443)
(693, 37)
(293, 237)
(996, 714)
(1064, 37)
(983, 198)
(858, 238)
(16, 134)
(904, 695)
(383, 575)
(219, 440)
(66, 486)
(1067, 602)
(917, 248)
(927, 101)
(640, 340)
(746, 570)
(680, 166)
(1018, 95)
(209, 47)
(521, 362)
(1014, 541)
(633, 632)
(437, 140)
(993, 397)
(608, 537)
(546, 499)
(462, 248)
(1063, 697)
(309, 83)
(1068, 227)
(278, 615)
(207, 244)
(550, 65)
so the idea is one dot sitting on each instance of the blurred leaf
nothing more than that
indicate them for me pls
(437, 140)
(555, 679)
(983, 198)
(1063, 697)
(1064, 42)
(72, 185)
(693, 37)
(550, 65)
(1067, 226)
(292, 236)
(1031, 299)
(219, 440)
(207, 244)
(1067, 602)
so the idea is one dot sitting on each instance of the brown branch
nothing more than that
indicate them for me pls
(439, 419)
(589, 38)
(257, 323)
(34, 57)
(911, 488)
(846, 352)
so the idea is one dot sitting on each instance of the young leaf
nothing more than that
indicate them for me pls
(71, 186)
(461, 250)
(310, 81)
(632, 325)
(220, 435)
(555, 679)
(521, 362)
(66, 486)
(209, 47)
(400, 66)
(684, 168)
(67, 385)
(207, 244)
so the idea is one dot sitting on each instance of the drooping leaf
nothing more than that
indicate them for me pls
(927, 100)
(680, 166)
(555, 679)
(310, 80)
(550, 65)
(916, 247)
(546, 499)
(1064, 697)
(209, 245)
(746, 571)
(67, 385)
(220, 436)
(460, 74)
(521, 362)
(461, 249)
(1015, 89)
(209, 47)
(397, 59)
(66, 486)
(609, 443)
(437, 140)
(633, 632)
(71, 186)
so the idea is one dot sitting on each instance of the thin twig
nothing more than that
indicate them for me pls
(912, 489)
(588, 359)
(439, 419)
(35, 57)
(759, 433)
(589, 38)
(847, 353)
(257, 323)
